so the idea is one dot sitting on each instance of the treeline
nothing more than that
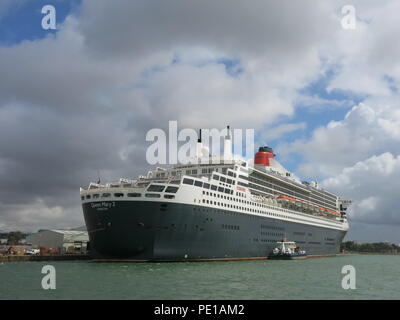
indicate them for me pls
(381, 247)
(14, 237)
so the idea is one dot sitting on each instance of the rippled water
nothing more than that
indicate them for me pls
(377, 277)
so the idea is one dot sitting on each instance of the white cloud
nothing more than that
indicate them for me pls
(365, 131)
(274, 133)
(373, 185)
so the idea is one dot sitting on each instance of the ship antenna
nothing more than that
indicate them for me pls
(98, 176)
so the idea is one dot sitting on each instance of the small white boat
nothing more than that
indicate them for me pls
(287, 250)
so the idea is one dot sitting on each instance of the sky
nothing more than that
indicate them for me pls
(80, 99)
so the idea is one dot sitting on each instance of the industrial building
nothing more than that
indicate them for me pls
(62, 241)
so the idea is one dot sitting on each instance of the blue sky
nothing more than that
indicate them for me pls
(23, 20)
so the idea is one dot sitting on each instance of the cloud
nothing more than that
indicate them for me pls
(373, 186)
(274, 133)
(365, 131)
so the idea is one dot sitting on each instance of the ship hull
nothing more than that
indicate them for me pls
(158, 231)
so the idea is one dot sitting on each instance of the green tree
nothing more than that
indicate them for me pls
(14, 237)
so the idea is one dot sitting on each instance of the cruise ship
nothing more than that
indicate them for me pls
(225, 208)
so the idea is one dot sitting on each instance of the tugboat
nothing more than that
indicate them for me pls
(287, 250)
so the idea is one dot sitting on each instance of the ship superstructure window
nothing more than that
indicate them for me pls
(188, 181)
(206, 185)
(134, 195)
(171, 189)
(88, 196)
(215, 177)
(198, 183)
(213, 187)
(156, 188)
(118, 195)
(169, 196)
(106, 195)
(194, 171)
(152, 195)
(82, 198)
(222, 179)
(96, 196)
(220, 189)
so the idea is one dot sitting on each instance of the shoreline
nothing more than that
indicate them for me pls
(373, 253)
(16, 258)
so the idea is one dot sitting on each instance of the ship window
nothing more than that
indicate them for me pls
(169, 196)
(220, 189)
(206, 185)
(227, 191)
(88, 196)
(229, 181)
(106, 195)
(96, 196)
(198, 183)
(213, 187)
(222, 179)
(194, 171)
(156, 188)
(83, 198)
(171, 189)
(134, 195)
(152, 195)
(188, 181)
(215, 177)
(118, 195)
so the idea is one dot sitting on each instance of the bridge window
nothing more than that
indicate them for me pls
(188, 181)
(198, 183)
(155, 188)
(171, 189)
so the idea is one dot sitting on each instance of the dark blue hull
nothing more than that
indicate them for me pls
(156, 231)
